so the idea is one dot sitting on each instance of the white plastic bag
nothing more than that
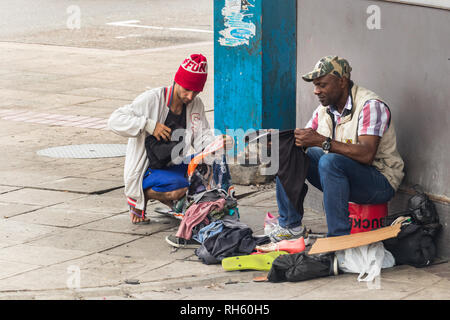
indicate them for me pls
(368, 259)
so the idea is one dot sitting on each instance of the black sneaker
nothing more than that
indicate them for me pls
(182, 243)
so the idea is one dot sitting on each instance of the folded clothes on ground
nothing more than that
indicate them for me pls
(208, 231)
(196, 214)
(230, 242)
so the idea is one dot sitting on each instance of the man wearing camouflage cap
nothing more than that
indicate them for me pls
(351, 145)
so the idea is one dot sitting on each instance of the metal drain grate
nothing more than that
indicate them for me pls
(85, 151)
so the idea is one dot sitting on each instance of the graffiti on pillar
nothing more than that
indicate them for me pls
(239, 28)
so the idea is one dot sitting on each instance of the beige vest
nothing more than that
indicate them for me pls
(387, 159)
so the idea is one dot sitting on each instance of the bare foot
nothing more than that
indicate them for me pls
(135, 219)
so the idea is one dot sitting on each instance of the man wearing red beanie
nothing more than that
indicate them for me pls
(149, 121)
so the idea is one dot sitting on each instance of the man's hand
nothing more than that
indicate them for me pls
(162, 132)
(308, 138)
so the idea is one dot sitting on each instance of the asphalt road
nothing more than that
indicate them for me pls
(100, 23)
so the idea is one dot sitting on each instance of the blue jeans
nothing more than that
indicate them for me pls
(342, 180)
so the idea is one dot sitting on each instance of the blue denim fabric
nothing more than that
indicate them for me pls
(208, 231)
(341, 180)
(167, 179)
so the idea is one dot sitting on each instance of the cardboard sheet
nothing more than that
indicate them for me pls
(354, 240)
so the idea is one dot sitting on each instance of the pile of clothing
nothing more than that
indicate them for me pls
(211, 216)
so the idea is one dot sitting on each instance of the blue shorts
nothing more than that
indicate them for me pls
(167, 179)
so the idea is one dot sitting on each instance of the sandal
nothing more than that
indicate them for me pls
(260, 262)
(140, 215)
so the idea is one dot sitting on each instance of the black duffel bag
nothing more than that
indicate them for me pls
(412, 246)
(415, 244)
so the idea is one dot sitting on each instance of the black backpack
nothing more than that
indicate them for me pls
(421, 208)
(415, 245)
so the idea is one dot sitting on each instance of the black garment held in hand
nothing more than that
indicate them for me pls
(293, 169)
(159, 152)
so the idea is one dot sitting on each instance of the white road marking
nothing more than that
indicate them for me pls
(93, 51)
(134, 24)
(129, 36)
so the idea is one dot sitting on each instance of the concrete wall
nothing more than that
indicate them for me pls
(407, 62)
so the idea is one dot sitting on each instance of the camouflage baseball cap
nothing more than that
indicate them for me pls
(329, 64)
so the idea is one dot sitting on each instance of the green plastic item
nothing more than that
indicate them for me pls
(260, 262)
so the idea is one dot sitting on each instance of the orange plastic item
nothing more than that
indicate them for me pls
(290, 246)
(212, 147)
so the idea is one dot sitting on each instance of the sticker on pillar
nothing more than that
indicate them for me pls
(238, 26)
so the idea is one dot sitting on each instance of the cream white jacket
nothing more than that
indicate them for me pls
(138, 120)
(387, 159)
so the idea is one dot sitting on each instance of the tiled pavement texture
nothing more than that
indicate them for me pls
(64, 220)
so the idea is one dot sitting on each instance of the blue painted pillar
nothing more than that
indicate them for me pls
(255, 54)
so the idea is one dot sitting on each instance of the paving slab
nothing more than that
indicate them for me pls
(65, 84)
(249, 290)
(103, 93)
(20, 232)
(59, 217)
(256, 199)
(180, 268)
(10, 268)
(109, 203)
(241, 190)
(119, 194)
(81, 185)
(5, 189)
(12, 93)
(54, 278)
(49, 230)
(408, 274)
(87, 110)
(39, 255)
(61, 99)
(95, 271)
(121, 223)
(441, 269)
(153, 248)
(84, 240)
(105, 105)
(25, 177)
(37, 197)
(8, 210)
(19, 79)
(347, 287)
(439, 291)
(111, 174)
(254, 217)
(7, 243)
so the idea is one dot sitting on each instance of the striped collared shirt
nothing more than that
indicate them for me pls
(373, 119)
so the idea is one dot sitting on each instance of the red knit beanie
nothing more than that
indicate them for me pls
(192, 73)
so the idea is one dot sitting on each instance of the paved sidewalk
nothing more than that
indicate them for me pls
(60, 218)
